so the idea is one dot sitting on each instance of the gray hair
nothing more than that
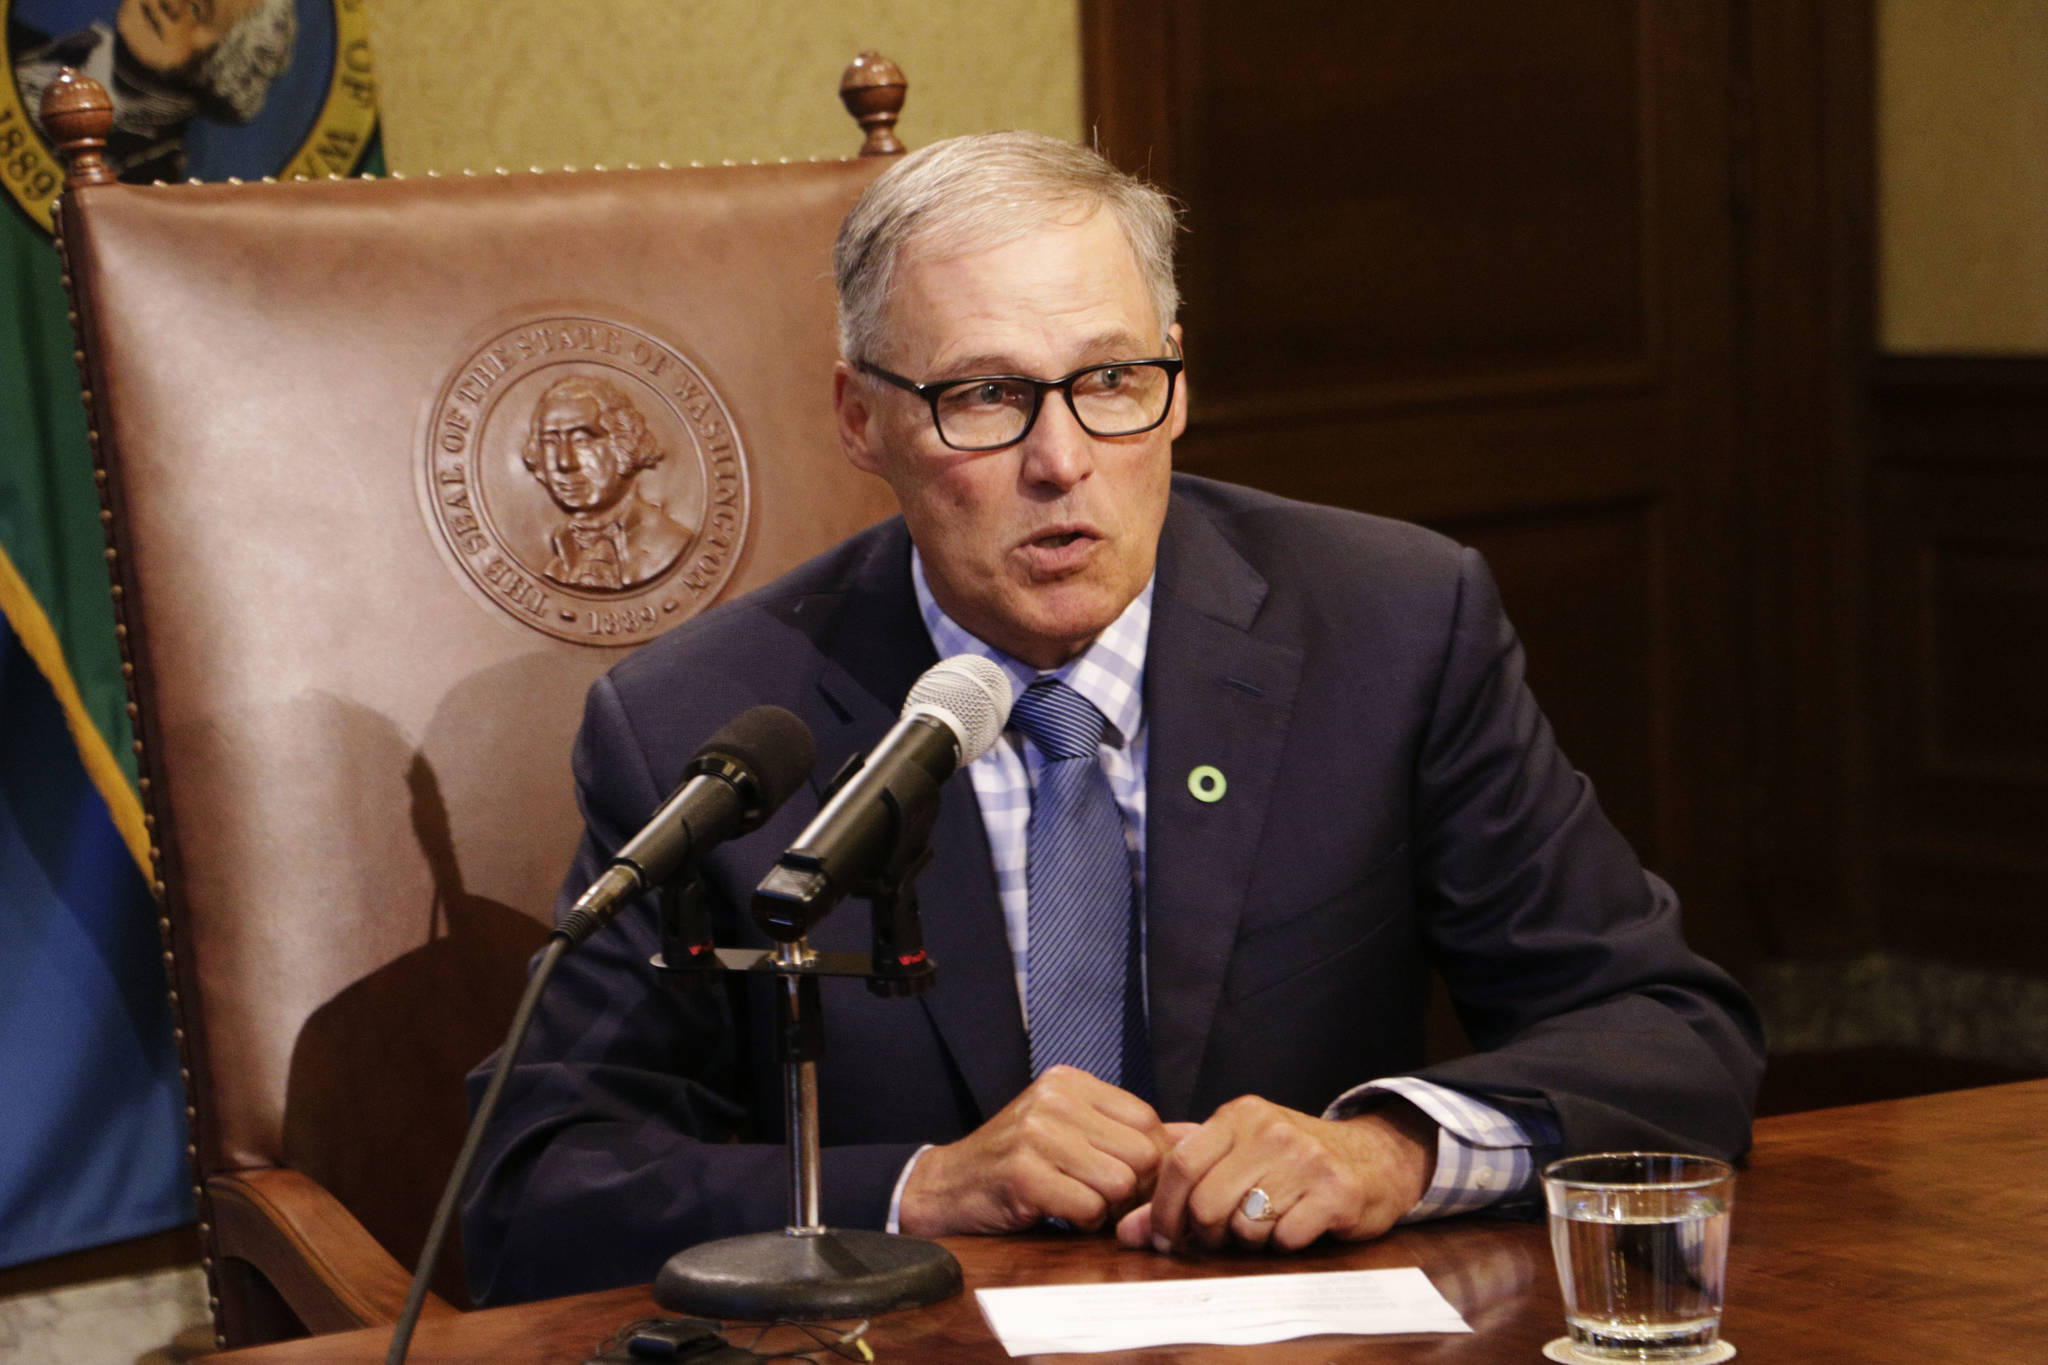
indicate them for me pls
(236, 75)
(981, 191)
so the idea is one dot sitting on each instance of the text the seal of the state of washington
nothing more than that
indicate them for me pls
(587, 479)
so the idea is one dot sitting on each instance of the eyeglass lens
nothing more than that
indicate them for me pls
(1109, 400)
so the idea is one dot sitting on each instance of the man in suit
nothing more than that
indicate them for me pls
(1320, 769)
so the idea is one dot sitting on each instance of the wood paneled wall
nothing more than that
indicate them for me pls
(1589, 285)
(1469, 265)
(1959, 528)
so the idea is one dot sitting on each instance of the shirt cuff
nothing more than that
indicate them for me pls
(1485, 1153)
(895, 1223)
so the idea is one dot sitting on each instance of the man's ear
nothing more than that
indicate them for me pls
(1177, 420)
(850, 406)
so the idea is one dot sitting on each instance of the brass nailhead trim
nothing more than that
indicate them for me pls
(102, 484)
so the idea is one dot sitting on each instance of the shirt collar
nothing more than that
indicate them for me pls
(1110, 673)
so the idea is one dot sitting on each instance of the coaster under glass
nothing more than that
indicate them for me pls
(1566, 1352)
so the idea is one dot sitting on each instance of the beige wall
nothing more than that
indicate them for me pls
(478, 84)
(1962, 114)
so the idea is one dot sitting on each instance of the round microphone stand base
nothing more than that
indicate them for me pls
(808, 1276)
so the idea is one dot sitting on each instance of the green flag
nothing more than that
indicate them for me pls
(53, 570)
(92, 1113)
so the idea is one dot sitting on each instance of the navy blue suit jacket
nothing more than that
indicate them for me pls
(1395, 801)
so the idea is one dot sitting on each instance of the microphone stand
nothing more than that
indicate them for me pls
(807, 1271)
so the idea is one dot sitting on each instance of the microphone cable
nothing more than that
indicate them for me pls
(559, 942)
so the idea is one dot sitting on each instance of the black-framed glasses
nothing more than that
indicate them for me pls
(991, 411)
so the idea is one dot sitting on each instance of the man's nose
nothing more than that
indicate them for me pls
(1058, 452)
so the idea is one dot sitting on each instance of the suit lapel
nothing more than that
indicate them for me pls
(878, 650)
(1215, 697)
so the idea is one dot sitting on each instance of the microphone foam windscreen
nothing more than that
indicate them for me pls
(971, 695)
(772, 744)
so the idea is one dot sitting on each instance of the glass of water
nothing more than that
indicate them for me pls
(1641, 1240)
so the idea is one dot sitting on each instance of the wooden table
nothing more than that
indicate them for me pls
(1910, 1231)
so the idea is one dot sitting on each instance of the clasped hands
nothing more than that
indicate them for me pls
(1081, 1150)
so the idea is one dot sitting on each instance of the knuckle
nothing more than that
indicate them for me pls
(1244, 1106)
(1292, 1239)
(1210, 1208)
(1036, 1128)
(1293, 1144)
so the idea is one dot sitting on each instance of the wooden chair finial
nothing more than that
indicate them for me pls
(872, 91)
(79, 114)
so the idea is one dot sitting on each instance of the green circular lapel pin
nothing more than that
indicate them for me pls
(1207, 785)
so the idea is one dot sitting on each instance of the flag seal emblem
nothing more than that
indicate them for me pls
(202, 89)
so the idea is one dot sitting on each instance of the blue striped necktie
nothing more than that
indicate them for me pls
(1082, 992)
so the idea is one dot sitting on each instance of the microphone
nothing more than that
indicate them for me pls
(954, 713)
(738, 779)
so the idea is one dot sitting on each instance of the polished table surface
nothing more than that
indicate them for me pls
(1912, 1230)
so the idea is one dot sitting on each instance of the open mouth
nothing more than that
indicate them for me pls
(1060, 550)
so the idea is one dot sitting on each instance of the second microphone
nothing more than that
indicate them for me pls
(952, 716)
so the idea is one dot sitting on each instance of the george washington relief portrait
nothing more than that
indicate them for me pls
(587, 445)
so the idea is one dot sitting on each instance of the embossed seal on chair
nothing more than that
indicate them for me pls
(586, 479)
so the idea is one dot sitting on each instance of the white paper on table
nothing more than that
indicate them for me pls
(1234, 1310)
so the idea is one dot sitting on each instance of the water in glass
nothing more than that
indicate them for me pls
(1642, 1265)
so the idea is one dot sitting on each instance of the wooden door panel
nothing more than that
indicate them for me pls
(1470, 265)
(1584, 585)
(1444, 462)
(1431, 201)
(1959, 539)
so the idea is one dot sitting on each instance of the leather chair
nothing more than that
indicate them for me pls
(365, 570)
